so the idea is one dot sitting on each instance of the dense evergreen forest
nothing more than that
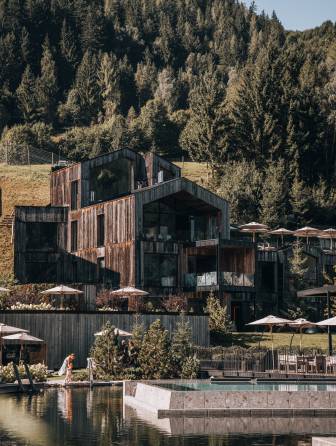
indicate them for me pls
(211, 79)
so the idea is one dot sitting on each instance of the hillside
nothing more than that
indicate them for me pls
(20, 185)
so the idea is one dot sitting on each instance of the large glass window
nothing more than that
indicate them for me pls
(159, 222)
(110, 180)
(160, 270)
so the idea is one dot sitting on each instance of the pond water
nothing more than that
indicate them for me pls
(252, 387)
(80, 417)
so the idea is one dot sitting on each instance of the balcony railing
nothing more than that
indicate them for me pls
(226, 278)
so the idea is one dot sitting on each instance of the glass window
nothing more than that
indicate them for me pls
(74, 195)
(74, 235)
(160, 270)
(41, 236)
(100, 230)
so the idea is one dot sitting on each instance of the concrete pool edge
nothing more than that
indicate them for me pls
(165, 402)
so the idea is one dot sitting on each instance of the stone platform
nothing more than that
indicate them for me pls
(324, 441)
(165, 402)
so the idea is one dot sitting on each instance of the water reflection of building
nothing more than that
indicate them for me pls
(180, 426)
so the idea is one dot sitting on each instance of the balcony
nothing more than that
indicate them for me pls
(226, 279)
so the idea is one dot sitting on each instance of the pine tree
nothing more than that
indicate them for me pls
(298, 266)
(219, 322)
(299, 199)
(26, 95)
(106, 352)
(69, 54)
(205, 136)
(109, 84)
(155, 355)
(46, 86)
(274, 195)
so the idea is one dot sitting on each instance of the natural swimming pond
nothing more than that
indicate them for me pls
(249, 386)
(71, 417)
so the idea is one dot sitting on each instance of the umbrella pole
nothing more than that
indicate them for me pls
(62, 301)
(272, 347)
(300, 339)
(330, 346)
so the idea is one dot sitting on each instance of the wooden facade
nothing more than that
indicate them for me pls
(66, 332)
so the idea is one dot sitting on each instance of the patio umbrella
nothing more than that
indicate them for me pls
(62, 290)
(8, 330)
(128, 292)
(117, 331)
(282, 232)
(22, 339)
(4, 290)
(301, 324)
(254, 228)
(271, 321)
(307, 232)
(330, 234)
(330, 322)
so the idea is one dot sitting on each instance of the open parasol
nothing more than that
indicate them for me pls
(23, 338)
(117, 331)
(307, 232)
(281, 232)
(130, 292)
(271, 321)
(329, 234)
(62, 290)
(301, 324)
(8, 330)
(254, 228)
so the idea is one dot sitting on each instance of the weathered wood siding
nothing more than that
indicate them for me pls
(66, 332)
(119, 246)
(60, 185)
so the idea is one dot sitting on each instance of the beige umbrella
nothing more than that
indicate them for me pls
(117, 331)
(331, 322)
(22, 339)
(281, 232)
(301, 324)
(62, 290)
(254, 228)
(307, 232)
(271, 321)
(4, 290)
(330, 234)
(128, 292)
(7, 330)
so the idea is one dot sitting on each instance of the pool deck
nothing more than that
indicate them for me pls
(324, 441)
(167, 402)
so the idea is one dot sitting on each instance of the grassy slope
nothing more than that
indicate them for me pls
(197, 172)
(318, 341)
(21, 185)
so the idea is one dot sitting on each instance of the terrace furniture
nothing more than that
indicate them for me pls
(316, 364)
(288, 362)
(330, 364)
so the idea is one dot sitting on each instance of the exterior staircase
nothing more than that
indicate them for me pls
(7, 220)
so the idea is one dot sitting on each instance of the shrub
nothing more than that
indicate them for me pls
(82, 375)
(155, 354)
(218, 318)
(39, 372)
(37, 307)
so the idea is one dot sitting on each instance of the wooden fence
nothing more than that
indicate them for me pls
(66, 332)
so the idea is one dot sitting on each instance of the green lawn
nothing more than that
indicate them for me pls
(246, 340)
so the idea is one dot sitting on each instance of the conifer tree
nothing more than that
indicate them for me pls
(26, 95)
(274, 193)
(109, 84)
(298, 265)
(299, 199)
(47, 86)
(69, 54)
(155, 355)
(205, 136)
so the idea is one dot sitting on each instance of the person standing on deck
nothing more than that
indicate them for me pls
(69, 366)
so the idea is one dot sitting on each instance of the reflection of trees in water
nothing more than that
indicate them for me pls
(95, 418)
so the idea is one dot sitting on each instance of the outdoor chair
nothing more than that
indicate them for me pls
(316, 364)
(287, 362)
(331, 364)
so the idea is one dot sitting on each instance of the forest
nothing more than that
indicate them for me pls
(211, 80)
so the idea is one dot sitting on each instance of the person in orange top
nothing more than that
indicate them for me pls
(69, 366)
